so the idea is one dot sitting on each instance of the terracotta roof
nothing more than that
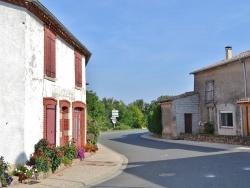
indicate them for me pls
(224, 62)
(40, 11)
(186, 94)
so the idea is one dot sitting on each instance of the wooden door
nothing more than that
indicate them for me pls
(188, 123)
(77, 127)
(51, 124)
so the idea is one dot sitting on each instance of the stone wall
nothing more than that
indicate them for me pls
(235, 140)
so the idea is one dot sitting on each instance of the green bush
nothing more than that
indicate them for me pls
(94, 128)
(104, 128)
(154, 119)
(25, 170)
(209, 128)
(46, 156)
(66, 161)
(122, 126)
(70, 150)
(5, 178)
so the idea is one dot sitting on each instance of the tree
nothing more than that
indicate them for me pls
(95, 107)
(154, 118)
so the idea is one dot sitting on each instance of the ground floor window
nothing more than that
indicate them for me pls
(226, 119)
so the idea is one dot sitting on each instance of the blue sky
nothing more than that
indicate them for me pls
(142, 49)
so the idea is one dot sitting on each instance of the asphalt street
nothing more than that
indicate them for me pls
(176, 164)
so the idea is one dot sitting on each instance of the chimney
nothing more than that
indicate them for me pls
(229, 53)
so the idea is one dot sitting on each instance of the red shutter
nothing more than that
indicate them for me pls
(80, 72)
(49, 53)
(53, 56)
(78, 69)
(46, 46)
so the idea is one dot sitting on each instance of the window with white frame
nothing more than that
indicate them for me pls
(209, 91)
(226, 119)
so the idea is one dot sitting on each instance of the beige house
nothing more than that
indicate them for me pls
(220, 95)
(222, 86)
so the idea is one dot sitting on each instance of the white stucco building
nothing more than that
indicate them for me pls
(43, 84)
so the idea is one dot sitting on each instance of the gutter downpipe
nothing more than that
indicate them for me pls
(245, 93)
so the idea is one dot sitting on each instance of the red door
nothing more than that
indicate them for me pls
(77, 127)
(51, 124)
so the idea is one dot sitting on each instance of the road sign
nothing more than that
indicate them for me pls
(115, 113)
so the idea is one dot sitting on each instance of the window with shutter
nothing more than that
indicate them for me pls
(209, 91)
(49, 53)
(78, 69)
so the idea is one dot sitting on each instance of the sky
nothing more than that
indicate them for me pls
(143, 49)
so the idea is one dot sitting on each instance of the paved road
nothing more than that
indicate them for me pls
(176, 164)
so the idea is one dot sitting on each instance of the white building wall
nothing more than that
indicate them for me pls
(63, 88)
(12, 60)
(34, 58)
(22, 82)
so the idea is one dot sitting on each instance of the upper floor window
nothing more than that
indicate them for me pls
(49, 53)
(209, 91)
(226, 119)
(78, 69)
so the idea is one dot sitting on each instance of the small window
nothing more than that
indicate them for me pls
(226, 119)
(209, 91)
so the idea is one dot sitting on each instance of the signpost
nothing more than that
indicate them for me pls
(115, 114)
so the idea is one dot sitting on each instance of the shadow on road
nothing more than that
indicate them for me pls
(133, 140)
(211, 168)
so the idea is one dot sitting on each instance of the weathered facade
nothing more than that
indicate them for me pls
(220, 86)
(43, 84)
(180, 115)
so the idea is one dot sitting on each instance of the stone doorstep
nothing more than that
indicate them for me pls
(43, 175)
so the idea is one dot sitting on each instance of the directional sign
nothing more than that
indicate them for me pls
(115, 113)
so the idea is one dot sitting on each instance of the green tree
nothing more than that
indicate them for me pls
(154, 118)
(95, 114)
(95, 107)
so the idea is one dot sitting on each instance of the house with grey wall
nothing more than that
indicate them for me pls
(221, 87)
(221, 96)
(180, 114)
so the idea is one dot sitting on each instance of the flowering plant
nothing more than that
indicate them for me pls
(5, 178)
(25, 170)
(80, 153)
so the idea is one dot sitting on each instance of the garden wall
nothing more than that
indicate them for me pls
(235, 140)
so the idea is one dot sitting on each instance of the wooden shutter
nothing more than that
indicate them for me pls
(80, 72)
(49, 53)
(53, 56)
(78, 69)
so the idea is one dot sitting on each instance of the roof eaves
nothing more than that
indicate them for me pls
(35, 7)
(224, 62)
(186, 94)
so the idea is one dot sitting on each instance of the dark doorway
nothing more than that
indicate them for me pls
(188, 123)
